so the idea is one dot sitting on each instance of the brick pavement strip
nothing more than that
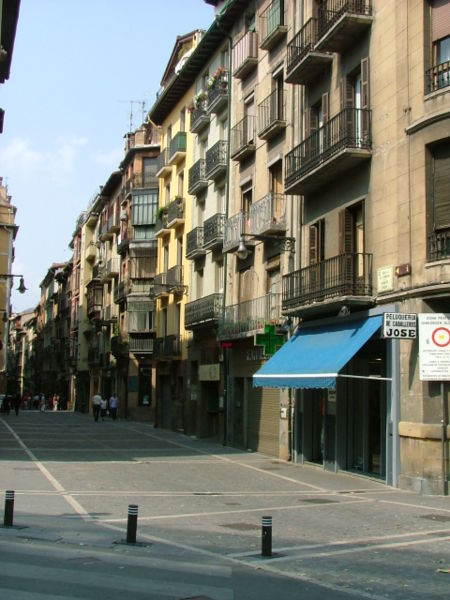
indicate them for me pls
(341, 531)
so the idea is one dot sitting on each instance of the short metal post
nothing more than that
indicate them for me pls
(266, 540)
(132, 523)
(9, 508)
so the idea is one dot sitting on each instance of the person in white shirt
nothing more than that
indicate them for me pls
(96, 405)
(113, 404)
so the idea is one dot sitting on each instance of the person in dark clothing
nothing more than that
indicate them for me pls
(17, 402)
(7, 404)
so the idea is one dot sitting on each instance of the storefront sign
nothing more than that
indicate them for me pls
(209, 372)
(399, 326)
(434, 346)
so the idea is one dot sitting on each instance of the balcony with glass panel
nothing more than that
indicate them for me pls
(271, 113)
(206, 311)
(340, 144)
(213, 231)
(216, 160)
(324, 287)
(244, 319)
(218, 91)
(177, 148)
(194, 243)
(272, 25)
(163, 166)
(198, 181)
(243, 139)
(245, 55)
(342, 23)
(304, 60)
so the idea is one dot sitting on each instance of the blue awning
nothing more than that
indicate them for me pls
(313, 356)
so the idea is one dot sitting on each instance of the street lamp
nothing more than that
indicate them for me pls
(21, 289)
(283, 243)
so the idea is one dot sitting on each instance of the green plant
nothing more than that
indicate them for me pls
(161, 212)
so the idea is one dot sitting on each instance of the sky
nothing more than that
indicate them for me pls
(76, 67)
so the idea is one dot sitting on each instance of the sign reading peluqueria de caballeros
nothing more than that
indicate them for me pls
(399, 326)
(434, 346)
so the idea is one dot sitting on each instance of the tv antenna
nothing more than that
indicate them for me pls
(142, 104)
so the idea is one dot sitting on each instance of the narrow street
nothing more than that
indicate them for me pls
(200, 507)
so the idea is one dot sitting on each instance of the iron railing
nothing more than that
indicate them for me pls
(177, 144)
(197, 176)
(245, 53)
(170, 345)
(268, 214)
(218, 92)
(348, 274)
(140, 344)
(251, 315)
(242, 135)
(203, 311)
(175, 210)
(438, 77)
(331, 11)
(271, 110)
(216, 159)
(271, 19)
(213, 229)
(302, 43)
(351, 128)
(199, 117)
(194, 242)
(438, 245)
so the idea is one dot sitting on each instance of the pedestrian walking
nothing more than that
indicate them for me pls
(103, 408)
(6, 404)
(17, 402)
(96, 405)
(113, 404)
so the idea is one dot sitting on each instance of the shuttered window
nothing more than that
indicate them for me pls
(440, 19)
(441, 186)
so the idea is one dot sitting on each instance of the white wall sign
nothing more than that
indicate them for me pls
(385, 279)
(434, 346)
(399, 326)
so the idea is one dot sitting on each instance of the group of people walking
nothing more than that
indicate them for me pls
(101, 407)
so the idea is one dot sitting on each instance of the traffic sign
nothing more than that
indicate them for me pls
(434, 346)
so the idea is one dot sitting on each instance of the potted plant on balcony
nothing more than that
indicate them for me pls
(199, 99)
(161, 213)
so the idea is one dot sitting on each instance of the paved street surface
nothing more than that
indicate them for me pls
(199, 522)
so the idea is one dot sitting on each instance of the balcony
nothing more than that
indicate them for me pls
(161, 225)
(439, 245)
(124, 239)
(234, 227)
(175, 279)
(144, 181)
(140, 344)
(246, 318)
(112, 268)
(163, 166)
(167, 347)
(177, 148)
(216, 160)
(121, 290)
(273, 28)
(197, 177)
(304, 61)
(271, 113)
(438, 77)
(199, 117)
(160, 287)
(218, 91)
(204, 311)
(243, 138)
(90, 253)
(213, 229)
(342, 22)
(119, 346)
(194, 243)
(339, 145)
(175, 212)
(328, 285)
(268, 215)
(245, 55)
(140, 286)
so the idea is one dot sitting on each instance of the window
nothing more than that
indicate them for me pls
(249, 126)
(144, 208)
(438, 200)
(355, 96)
(439, 74)
(149, 166)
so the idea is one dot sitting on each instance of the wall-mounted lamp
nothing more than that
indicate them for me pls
(283, 243)
(21, 288)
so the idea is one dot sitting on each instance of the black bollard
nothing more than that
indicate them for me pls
(266, 540)
(9, 508)
(132, 523)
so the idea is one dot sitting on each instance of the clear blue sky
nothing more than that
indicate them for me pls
(75, 67)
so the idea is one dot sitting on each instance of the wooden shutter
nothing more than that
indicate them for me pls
(440, 19)
(312, 120)
(325, 117)
(346, 248)
(313, 245)
(441, 188)
(365, 102)
(347, 126)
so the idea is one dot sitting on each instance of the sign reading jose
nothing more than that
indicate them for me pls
(399, 326)
(434, 346)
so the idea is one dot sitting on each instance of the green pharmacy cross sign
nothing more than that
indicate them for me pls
(269, 339)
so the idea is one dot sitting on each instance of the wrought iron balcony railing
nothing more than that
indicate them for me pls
(175, 212)
(213, 229)
(204, 311)
(304, 61)
(163, 166)
(167, 346)
(243, 138)
(177, 148)
(199, 118)
(216, 160)
(348, 274)
(218, 92)
(268, 215)
(245, 54)
(273, 27)
(438, 77)
(350, 130)
(198, 180)
(140, 344)
(194, 243)
(271, 113)
(244, 318)
(439, 245)
(234, 227)
(341, 22)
